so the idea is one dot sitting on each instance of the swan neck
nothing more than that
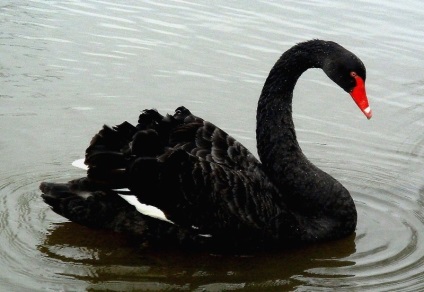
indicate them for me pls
(275, 130)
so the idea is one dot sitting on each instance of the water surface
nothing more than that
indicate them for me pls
(67, 67)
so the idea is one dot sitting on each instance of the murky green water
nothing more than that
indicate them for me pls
(67, 67)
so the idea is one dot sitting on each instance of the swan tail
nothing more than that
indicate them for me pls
(79, 202)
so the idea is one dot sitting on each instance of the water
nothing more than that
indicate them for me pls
(66, 67)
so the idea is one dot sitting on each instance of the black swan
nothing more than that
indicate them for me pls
(211, 189)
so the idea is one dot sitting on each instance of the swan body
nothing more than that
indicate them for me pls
(182, 180)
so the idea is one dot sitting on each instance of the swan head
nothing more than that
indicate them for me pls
(348, 71)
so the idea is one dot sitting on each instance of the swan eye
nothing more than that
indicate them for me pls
(353, 74)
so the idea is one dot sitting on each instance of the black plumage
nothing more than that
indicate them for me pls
(215, 192)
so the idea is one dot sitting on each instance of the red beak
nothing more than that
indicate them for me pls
(360, 97)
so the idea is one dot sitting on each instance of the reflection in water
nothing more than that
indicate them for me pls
(93, 256)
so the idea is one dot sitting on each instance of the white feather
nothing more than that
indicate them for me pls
(79, 163)
(144, 209)
(122, 191)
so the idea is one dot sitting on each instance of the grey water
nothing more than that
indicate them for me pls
(67, 67)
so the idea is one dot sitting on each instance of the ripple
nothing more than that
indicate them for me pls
(388, 252)
(22, 223)
(85, 12)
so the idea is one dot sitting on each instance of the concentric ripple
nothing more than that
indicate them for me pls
(22, 223)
